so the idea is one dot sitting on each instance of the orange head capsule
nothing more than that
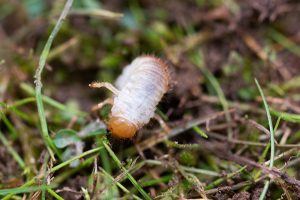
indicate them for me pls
(121, 128)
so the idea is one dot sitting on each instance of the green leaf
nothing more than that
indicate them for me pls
(69, 153)
(100, 131)
(65, 137)
(93, 129)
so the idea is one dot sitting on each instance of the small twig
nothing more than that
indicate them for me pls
(259, 127)
(97, 13)
(275, 173)
(258, 50)
(150, 142)
(235, 187)
(61, 48)
(188, 169)
(236, 141)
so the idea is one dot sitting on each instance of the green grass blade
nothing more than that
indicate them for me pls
(129, 176)
(264, 192)
(197, 60)
(38, 79)
(8, 124)
(54, 194)
(289, 117)
(198, 130)
(124, 189)
(22, 190)
(74, 158)
(46, 159)
(272, 140)
(51, 102)
(11, 150)
(223, 179)
(284, 41)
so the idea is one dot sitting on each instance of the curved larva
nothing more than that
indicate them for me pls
(141, 86)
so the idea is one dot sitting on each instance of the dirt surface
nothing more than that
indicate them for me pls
(214, 51)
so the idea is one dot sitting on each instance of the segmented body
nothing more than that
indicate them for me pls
(141, 85)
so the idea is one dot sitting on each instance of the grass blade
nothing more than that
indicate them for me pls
(272, 140)
(38, 79)
(57, 167)
(11, 150)
(22, 190)
(198, 61)
(132, 180)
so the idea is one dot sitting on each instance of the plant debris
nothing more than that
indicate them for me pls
(219, 141)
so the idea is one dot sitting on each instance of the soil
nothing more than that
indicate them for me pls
(238, 43)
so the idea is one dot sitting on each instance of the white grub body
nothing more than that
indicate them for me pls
(141, 86)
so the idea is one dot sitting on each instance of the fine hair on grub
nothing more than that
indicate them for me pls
(138, 90)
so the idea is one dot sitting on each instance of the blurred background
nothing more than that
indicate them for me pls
(237, 39)
(214, 48)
